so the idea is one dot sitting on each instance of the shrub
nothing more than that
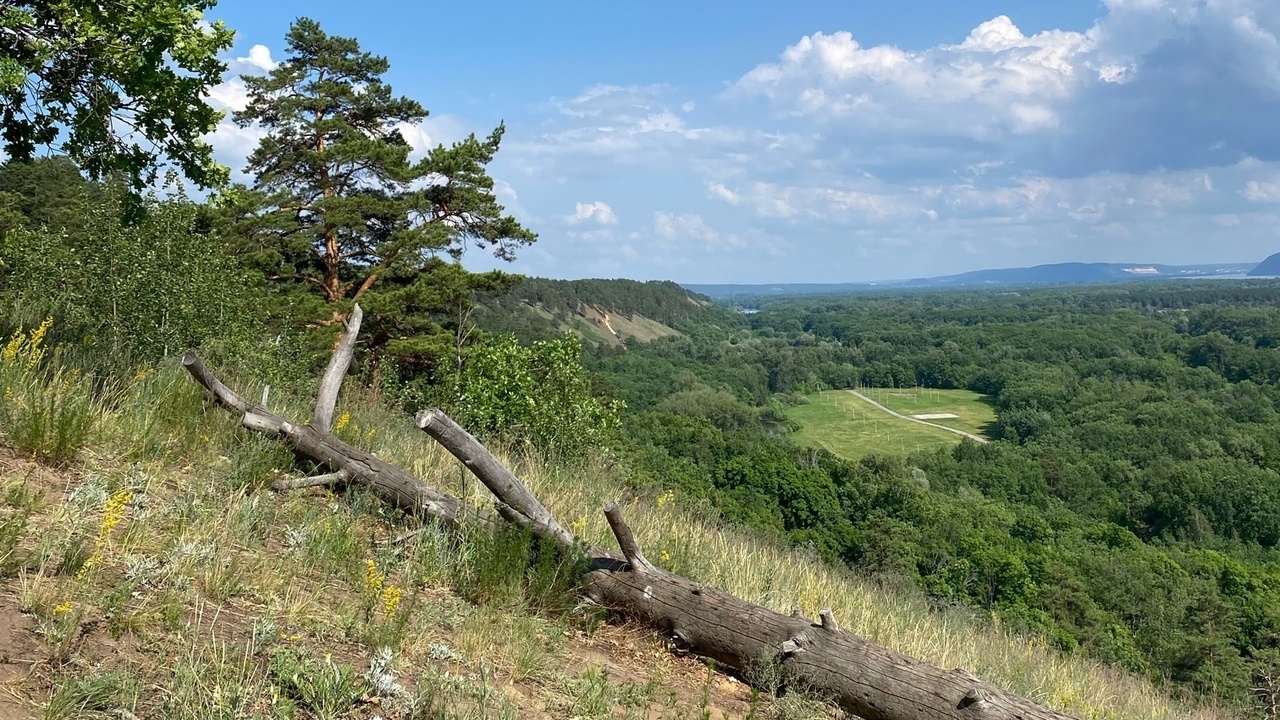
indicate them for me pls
(129, 292)
(537, 393)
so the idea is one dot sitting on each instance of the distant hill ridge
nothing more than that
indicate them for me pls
(1078, 272)
(1268, 267)
(1070, 273)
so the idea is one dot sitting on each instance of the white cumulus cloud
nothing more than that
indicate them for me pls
(259, 57)
(718, 190)
(996, 78)
(1262, 192)
(229, 95)
(593, 212)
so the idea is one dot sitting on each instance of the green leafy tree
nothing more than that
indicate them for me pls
(121, 84)
(129, 292)
(337, 204)
(538, 393)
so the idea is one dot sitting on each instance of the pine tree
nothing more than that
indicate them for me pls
(338, 205)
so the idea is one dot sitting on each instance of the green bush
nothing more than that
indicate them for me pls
(537, 393)
(128, 292)
(326, 688)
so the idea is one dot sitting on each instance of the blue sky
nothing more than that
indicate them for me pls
(837, 141)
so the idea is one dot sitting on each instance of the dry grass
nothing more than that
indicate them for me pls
(213, 597)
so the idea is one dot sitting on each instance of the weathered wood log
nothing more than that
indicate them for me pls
(626, 541)
(390, 483)
(514, 501)
(865, 679)
(861, 677)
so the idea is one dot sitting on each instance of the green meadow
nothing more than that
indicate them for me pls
(973, 412)
(847, 426)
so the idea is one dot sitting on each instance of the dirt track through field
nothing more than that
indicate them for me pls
(908, 418)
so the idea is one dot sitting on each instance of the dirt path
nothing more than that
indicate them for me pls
(873, 403)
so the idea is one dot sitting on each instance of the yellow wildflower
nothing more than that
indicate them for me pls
(34, 349)
(666, 556)
(390, 600)
(26, 349)
(112, 513)
(665, 498)
(379, 591)
(373, 580)
(343, 419)
(65, 607)
(13, 347)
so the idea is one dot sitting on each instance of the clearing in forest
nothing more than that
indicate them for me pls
(973, 412)
(850, 427)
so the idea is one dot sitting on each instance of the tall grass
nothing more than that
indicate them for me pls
(47, 409)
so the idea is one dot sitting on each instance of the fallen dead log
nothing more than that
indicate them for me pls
(865, 679)
(344, 462)
(861, 677)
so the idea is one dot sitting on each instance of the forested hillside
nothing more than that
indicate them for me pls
(1129, 509)
(601, 311)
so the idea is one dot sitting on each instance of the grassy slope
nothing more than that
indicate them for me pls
(212, 594)
(846, 426)
(590, 323)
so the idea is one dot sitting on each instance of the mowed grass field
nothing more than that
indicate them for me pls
(849, 427)
(973, 412)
